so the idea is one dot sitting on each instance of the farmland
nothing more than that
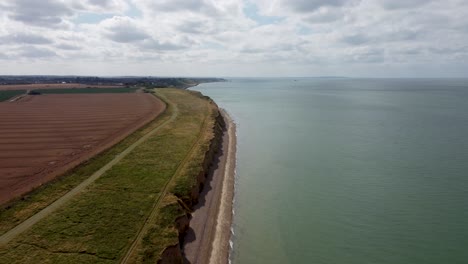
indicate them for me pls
(90, 90)
(130, 212)
(52, 86)
(59, 82)
(8, 94)
(44, 136)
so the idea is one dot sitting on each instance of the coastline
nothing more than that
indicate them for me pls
(208, 237)
(221, 241)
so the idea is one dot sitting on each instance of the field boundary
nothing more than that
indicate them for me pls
(11, 234)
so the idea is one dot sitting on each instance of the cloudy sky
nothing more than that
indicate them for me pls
(355, 38)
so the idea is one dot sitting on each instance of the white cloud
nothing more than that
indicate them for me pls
(399, 4)
(123, 30)
(44, 13)
(101, 6)
(34, 52)
(306, 6)
(24, 38)
(234, 37)
(325, 15)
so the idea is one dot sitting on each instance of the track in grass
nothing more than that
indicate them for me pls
(143, 230)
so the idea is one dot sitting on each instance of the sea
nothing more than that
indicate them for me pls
(348, 171)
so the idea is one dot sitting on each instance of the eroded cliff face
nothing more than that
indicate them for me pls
(210, 158)
(182, 224)
(173, 253)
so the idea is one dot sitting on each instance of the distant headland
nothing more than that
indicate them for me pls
(150, 81)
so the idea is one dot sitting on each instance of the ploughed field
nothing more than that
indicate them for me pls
(43, 136)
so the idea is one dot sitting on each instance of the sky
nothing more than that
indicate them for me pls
(235, 38)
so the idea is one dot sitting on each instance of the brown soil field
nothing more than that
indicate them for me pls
(52, 86)
(43, 136)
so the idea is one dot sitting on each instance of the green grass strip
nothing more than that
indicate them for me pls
(6, 95)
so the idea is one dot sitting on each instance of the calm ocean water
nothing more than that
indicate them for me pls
(334, 171)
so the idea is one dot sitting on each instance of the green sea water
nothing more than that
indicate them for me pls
(356, 171)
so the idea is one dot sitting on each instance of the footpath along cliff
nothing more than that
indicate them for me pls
(185, 193)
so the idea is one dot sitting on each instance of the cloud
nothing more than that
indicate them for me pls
(162, 45)
(324, 15)
(355, 39)
(44, 13)
(34, 52)
(178, 5)
(130, 31)
(4, 56)
(403, 4)
(300, 7)
(230, 36)
(201, 7)
(307, 6)
(211, 9)
(65, 46)
(101, 6)
(123, 30)
(195, 27)
(365, 55)
(450, 50)
(24, 38)
(382, 37)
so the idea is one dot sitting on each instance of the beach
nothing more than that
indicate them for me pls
(207, 240)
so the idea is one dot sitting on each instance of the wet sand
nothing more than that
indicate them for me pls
(207, 240)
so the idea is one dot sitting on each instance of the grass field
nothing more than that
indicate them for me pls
(86, 90)
(5, 95)
(100, 224)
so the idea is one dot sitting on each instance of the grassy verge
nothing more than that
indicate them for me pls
(86, 90)
(162, 232)
(99, 224)
(176, 203)
(5, 95)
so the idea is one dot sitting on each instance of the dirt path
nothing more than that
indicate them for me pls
(207, 240)
(143, 230)
(8, 236)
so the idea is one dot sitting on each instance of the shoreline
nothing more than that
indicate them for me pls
(209, 234)
(220, 250)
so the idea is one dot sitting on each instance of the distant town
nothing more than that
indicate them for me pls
(178, 82)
